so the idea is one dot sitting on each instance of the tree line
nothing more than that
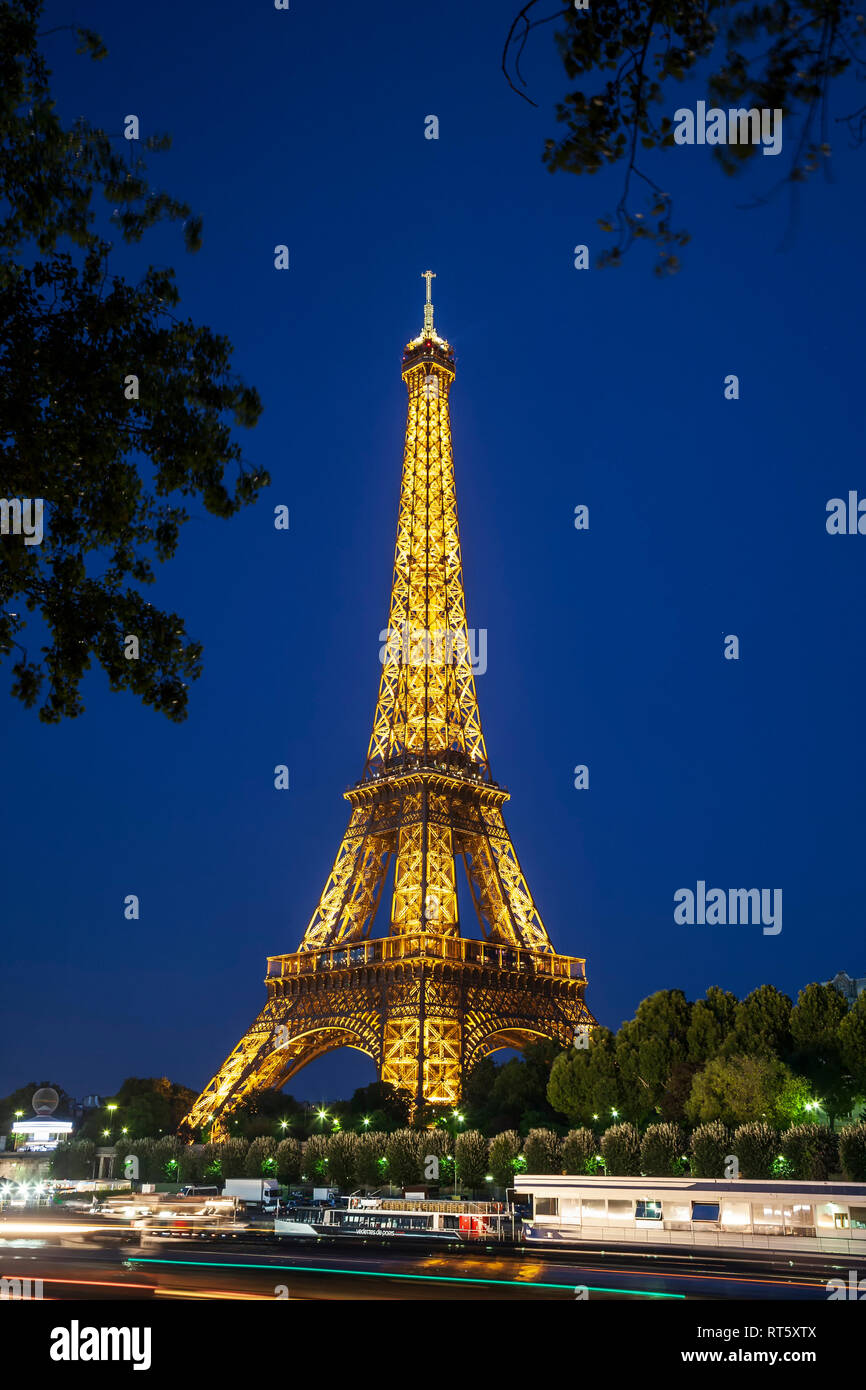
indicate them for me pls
(349, 1161)
(762, 1058)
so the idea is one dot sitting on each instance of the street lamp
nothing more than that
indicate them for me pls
(458, 1120)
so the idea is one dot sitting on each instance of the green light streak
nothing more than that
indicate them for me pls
(382, 1274)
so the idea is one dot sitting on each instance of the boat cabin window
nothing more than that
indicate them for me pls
(705, 1211)
(648, 1211)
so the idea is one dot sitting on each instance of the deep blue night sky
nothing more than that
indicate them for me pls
(707, 517)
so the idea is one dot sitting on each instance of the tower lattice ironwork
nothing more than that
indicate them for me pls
(425, 1002)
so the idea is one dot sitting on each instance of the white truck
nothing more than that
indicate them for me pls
(254, 1191)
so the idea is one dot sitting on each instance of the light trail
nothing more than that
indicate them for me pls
(718, 1278)
(382, 1274)
(218, 1293)
(86, 1283)
(55, 1228)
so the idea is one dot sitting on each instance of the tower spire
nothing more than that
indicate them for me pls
(429, 330)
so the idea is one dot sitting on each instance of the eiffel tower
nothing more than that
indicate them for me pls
(424, 1001)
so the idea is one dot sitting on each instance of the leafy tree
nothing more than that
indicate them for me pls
(542, 1151)
(620, 1149)
(816, 1022)
(710, 1146)
(342, 1158)
(518, 1098)
(540, 1119)
(587, 1081)
(438, 1143)
(147, 1106)
(146, 1116)
(288, 1161)
(478, 1089)
(742, 1088)
(538, 1057)
(180, 1174)
(233, 1158)
(260, 1158)
(712, 1020)
(404, 1151)
(812, 1151)
(756, 1147)
(151, 1166)
(123, 1147)
(472, 1157)
(568, 1089)
(661, 1151)
(816, 1017)
(794, 1100)
(580, 1151)
(762, 1025)
(504, 1152)
(212, 1162)
(650, 1045)
(73, 1158)
(515, 1091)
(624, 60)
(261, 1113)
(677, 1089)
(315, 1159)
(382, 1100)
(166, 1155)
(75, 425)
(852, 1041)
(852, 1152)
(193, 1163)
(369, 1167)
(250, 1127)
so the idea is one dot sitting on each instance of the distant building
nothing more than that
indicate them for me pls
(845, 985)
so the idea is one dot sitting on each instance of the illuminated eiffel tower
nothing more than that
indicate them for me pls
(424, 1001)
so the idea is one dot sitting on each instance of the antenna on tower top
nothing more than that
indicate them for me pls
(429, 276)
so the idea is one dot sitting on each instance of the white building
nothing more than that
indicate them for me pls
(848, 986)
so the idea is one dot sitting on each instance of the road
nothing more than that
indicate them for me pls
(98, 1266)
